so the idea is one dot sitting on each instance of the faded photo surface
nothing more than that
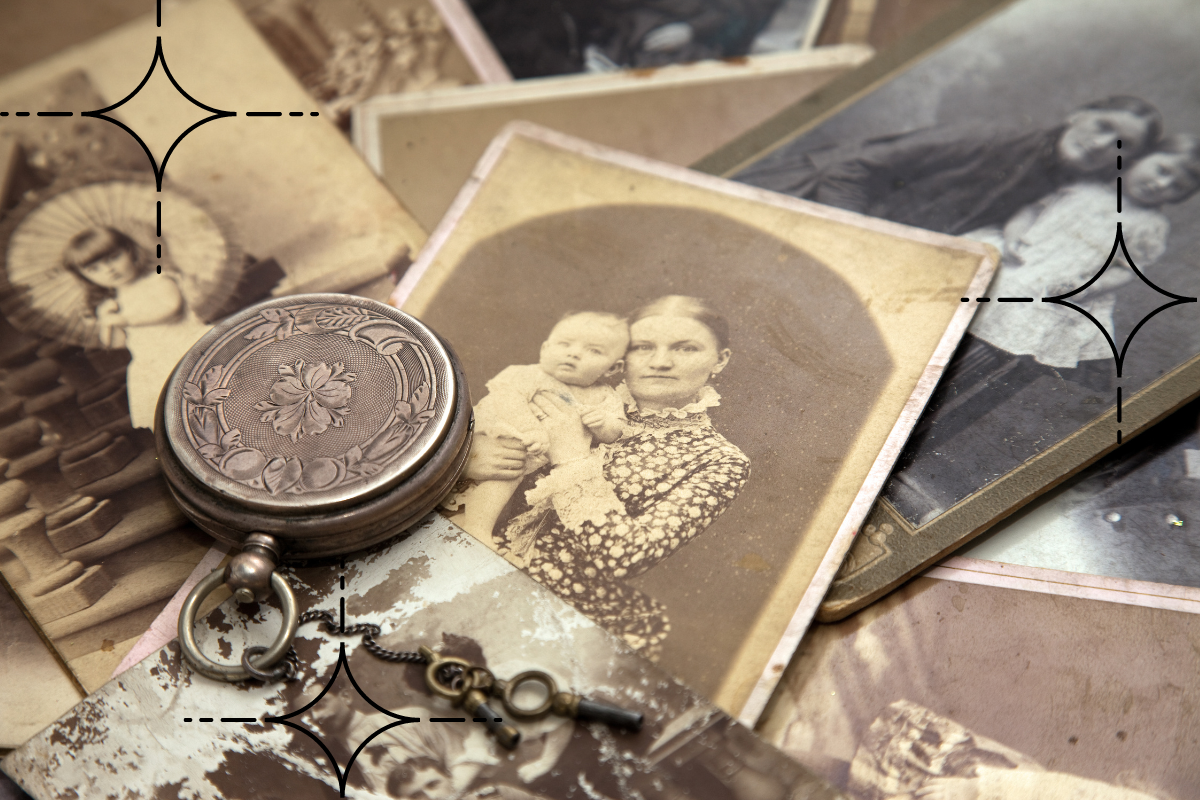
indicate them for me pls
(37, 690)
(442, 589)
(947, 690)
(1039, 180)
(679, 393)
(105, 282)
(345, 53)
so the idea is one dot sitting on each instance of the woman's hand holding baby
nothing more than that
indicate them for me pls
(495, 458)
(569, 439)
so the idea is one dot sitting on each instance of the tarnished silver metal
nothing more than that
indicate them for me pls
(234, 672)
(248, 574)
(329, 422)
(308, 426)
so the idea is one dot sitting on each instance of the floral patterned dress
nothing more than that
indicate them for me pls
(594, 523)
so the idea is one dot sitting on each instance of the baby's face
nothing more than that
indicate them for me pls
(1159, 178)
(111, 271)
(580, 350)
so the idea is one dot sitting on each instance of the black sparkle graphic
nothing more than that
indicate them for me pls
(214, 113)
(342, 773)
(1119, 354)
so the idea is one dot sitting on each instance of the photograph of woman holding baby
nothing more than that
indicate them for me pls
(599, 514)
(675, 406)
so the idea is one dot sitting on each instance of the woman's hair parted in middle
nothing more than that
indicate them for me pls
(679, 305)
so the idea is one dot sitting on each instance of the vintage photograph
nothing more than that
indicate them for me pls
(347, 52)
(1022, 403)
(1132, 515)
(105, 282)
(687, 391)
(1067, 697)
(37, 688)
(425, 146)
(537, 39)
(439, 588)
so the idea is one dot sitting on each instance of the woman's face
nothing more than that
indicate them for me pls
(111, 270)
(1160, 178)
(669, 360)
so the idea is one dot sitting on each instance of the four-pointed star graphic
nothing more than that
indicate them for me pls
(160, 169)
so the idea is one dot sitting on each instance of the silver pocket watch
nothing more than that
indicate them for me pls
(307, 426)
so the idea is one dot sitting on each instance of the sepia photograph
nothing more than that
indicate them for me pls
(1066, 697)
(471, 605)
(106, 281)
(37, 688)
(687, 392)
(537, 39)
(345, 53)
(1032, 394)
(424, 146)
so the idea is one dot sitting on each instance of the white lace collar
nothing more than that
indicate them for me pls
(706, 398)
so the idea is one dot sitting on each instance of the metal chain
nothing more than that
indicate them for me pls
(289, 666)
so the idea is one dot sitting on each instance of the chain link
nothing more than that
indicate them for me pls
(288, 668)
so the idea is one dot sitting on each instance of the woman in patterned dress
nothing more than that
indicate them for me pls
(601, 516)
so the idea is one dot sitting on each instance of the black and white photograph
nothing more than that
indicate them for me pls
(537, 39)
(1132, 515)
(684, 389)
(439, 588)
(105, 282)
(1019, 134)
(949, 689)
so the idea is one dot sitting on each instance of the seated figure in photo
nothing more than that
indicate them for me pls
(1054, 246)
(135, 308)
(913, 753)
(957, 178)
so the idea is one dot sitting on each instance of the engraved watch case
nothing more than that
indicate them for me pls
(329, 422)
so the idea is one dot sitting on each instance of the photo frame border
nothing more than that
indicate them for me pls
(754, 705)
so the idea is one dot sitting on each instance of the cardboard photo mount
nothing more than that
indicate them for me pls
(533, 182)
(425, 146)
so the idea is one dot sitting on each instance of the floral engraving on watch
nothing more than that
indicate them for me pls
(306, 400)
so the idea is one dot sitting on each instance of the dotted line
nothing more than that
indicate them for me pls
(280, 113)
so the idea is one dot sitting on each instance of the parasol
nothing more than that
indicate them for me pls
(38, 294)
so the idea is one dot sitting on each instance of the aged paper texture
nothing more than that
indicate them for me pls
(752, 462)
(251, 207)
(425, 146)
(439, 588)
(953, 689)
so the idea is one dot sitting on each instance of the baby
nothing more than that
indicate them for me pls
(582, 349)
(135, 308)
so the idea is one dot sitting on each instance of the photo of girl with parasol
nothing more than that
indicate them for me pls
(84, 265)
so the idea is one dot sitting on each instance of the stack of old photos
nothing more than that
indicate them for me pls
(951, 293)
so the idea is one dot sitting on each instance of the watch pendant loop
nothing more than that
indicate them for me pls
(234, 672)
